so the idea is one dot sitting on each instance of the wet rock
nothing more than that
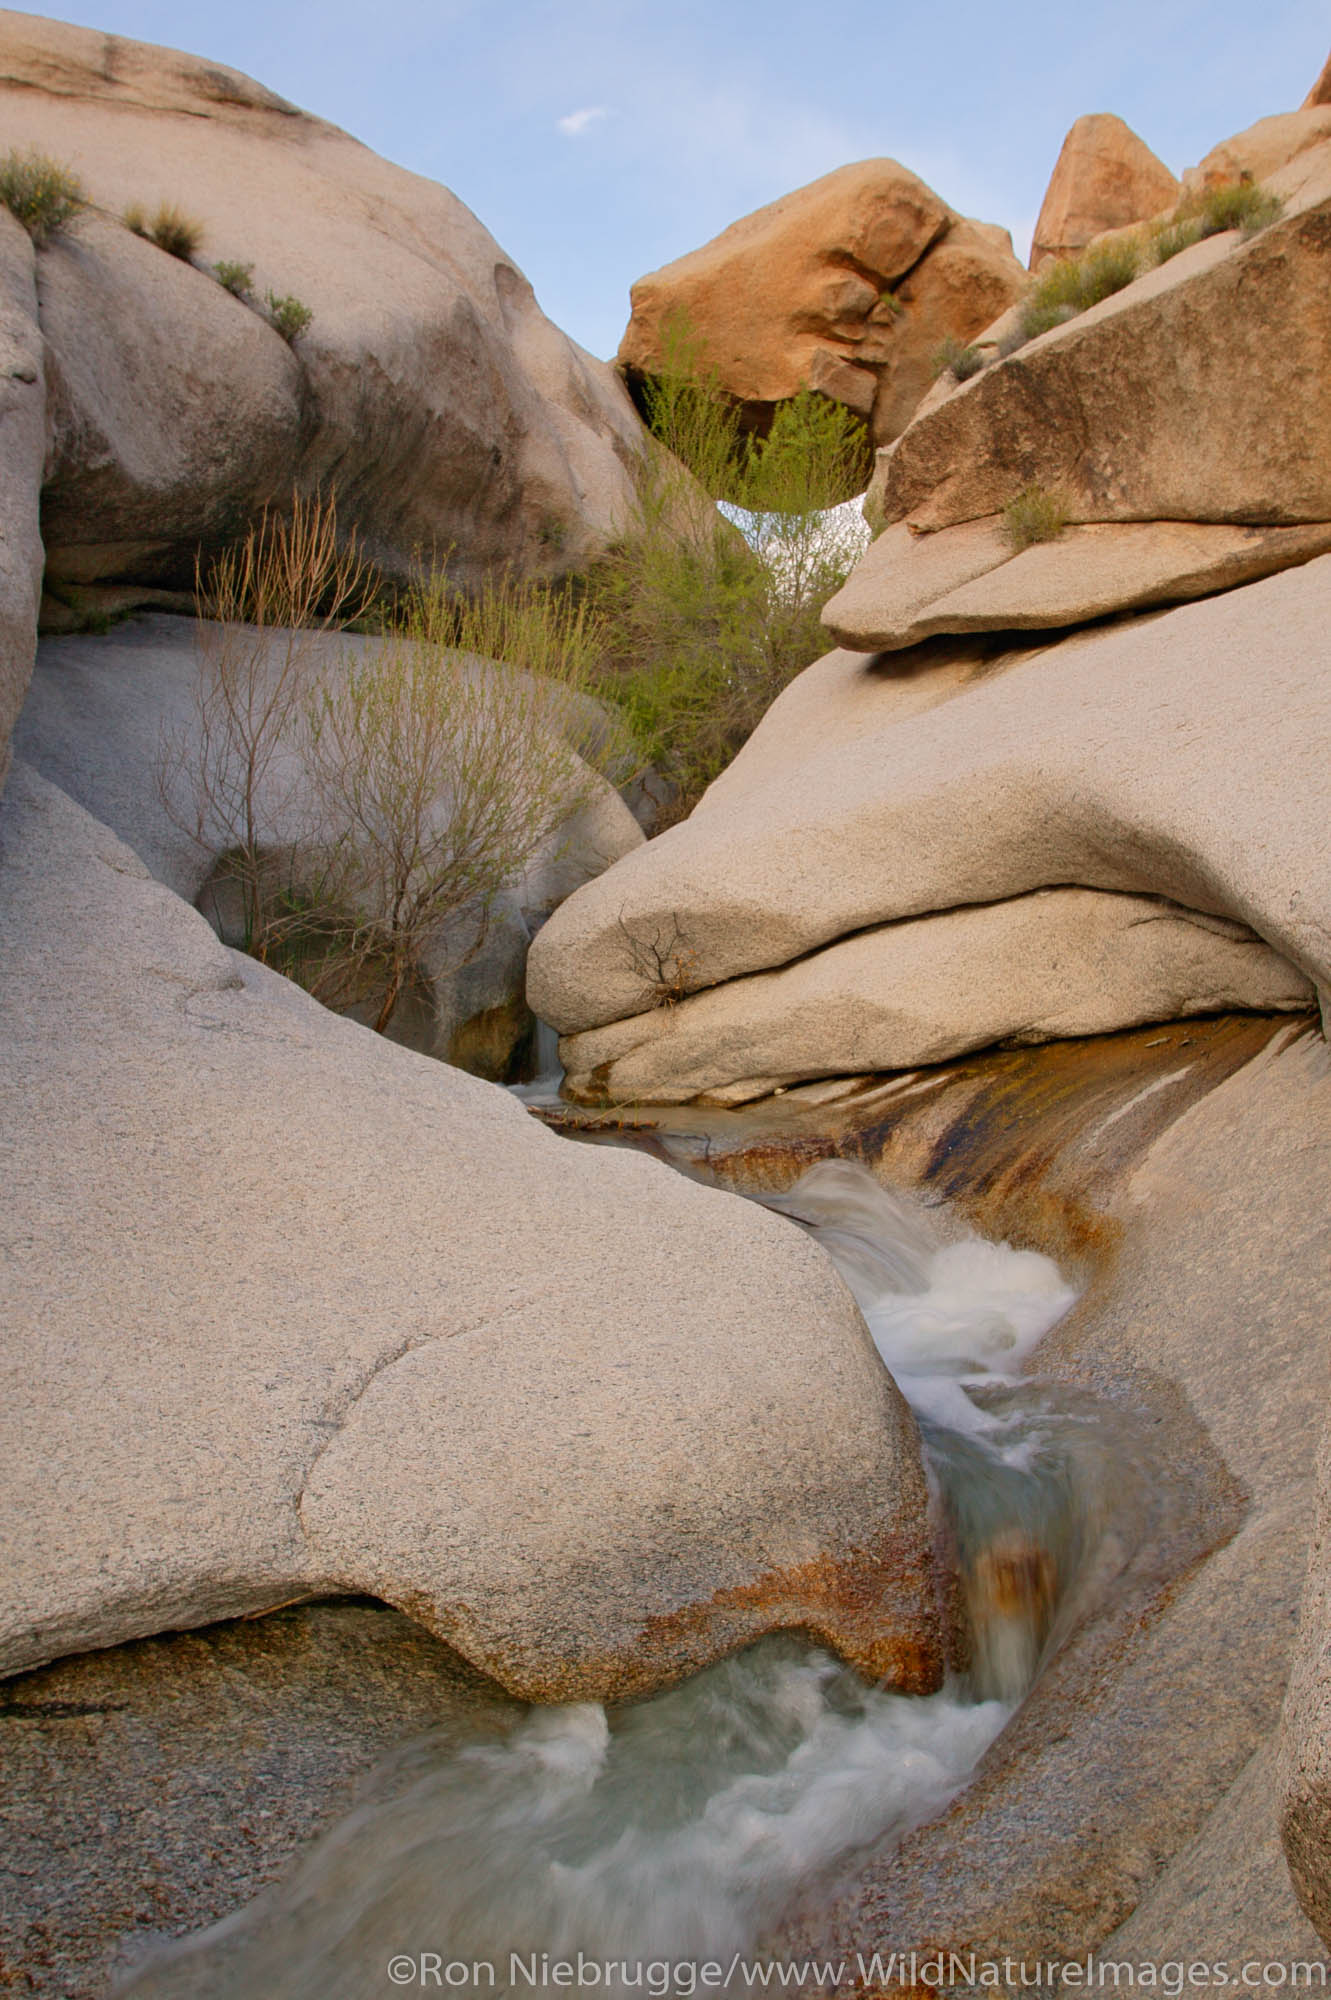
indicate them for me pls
(148, 1788)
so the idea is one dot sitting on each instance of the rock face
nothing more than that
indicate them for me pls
(1266, 147)
(1060, 962)
(22, 451)
(1105, 177)
(846, 286)
(911, 587)
(1321, 91)
(97, 715)
(1195, 394)
(1118, 759)
(1303, 1772)
(429, 388)
(264, 1341)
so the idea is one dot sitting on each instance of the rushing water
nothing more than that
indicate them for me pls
(679, 1829)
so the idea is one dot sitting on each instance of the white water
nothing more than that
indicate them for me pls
(680, 1829)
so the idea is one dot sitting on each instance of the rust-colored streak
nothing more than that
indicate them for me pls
(874, 1607)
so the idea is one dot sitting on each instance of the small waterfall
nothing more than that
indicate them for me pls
(547, 1070)
(680, 1829)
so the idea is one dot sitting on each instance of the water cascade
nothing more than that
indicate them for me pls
(680, 1829)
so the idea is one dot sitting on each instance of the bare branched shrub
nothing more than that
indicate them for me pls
(370, 798)
(228, 777)
(665, 961)
(436, 779)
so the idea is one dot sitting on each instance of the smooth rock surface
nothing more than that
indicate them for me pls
(1059, 962)
(1194, 394)
(1321, 90)
(793, 296)
(1263, 148)
(1105, 177)
(429, 388)
(293, 1311)
(1087, 572)
(1181, 755)
(1303, 1771)
(22, 451)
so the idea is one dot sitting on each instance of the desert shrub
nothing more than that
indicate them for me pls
(289, 317)
(953, 357)
(710, 609)
(1074, 284)
(170, 229)
(436, 779)
(40, 193)
(1035, 515)
(1166, 239)
(1241, 205)
(238, 279)
(363, 802)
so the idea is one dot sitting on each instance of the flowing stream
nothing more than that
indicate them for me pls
(679, 1829)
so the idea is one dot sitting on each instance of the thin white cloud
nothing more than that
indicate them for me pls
(577, 122)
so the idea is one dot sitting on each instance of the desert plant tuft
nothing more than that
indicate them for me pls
(40, 193)
(1241, 205)
(954, 358)
(1074, 284)
(1035, 515)
(238, 279)
(1166, 239)
(170, 229)
(290, 318)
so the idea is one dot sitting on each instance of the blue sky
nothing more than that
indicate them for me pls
(597, 139)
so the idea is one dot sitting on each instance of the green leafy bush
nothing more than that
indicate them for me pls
(289, 317)
(1035, 515)
(1074, 284)
(170, 229)
(710, 609)
(40, 193)
(952, 357)
(238, 279)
